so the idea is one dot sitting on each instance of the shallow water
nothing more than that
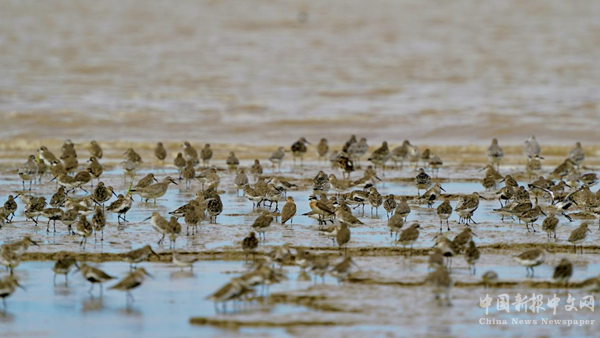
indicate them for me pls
(162, 307)
(231, 72)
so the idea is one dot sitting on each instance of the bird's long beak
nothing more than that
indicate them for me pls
(53, 179)
(155, 180)
(115, 194)
(148, 274)
(147, 219)
(20, 286)
(34, 243)
(483, 198)
(543, 213)
(174, 182)
(474, 234)
(444, 190)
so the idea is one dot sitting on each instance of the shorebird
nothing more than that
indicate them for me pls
(98, 222)
(441, 282)
(19, 247)
(489, 277)
(462, 239)
(159, 224)
(131, 281)
(84, 229)
(447, 248)
(173, 231)
(530, 259)
(70, 163)
(209, 177)
(395, 223)
(343, 269)
(422, 181)
(577, 155)
(52, 214)
(436, 259)
(83, 177)
(320, 208)
(375, 199)
(214, 207)
(345, 164)
(380, 156)
(62, 267)
(179, 163)
(425, 156)
(190, 153)
(321, 183)
(249, 245)
(303, 259)
(495, 153)
(10, 206)
(435, 163)
(184, 261)
(530, 216)
(466, 209)
(131, 155)
(320, 266)
(8, 284)
(262, 224)
(94, 276)
(531, 147)
(120, 207)
(146, 181)
(534, 166)
(277, 157)
(232, 162)
(550, 224)
(256, 170)
(288, 211)
(206, 155)
(563, 169)
(472, 256)
(253, 195)
(160, 152)
(240, 180)
(232, 290)
(102, 194)
(348, 143)
(578, 236)
(322, 149)
(390, 204)
(432, 194)
(95, 149)
(357, 150)
(137, 256)
(563, 272)
(444, 211)
(409, 236)
(403, 209)
(400, 153)
(154, 191)
(299, 149)
(96, 168)
(188, 174)
(46, 156)
(343, 237)
(28, 171)
(193, 214)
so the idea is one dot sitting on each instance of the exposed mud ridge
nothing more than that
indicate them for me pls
(238, 255)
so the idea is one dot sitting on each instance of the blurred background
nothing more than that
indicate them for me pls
(267, 72)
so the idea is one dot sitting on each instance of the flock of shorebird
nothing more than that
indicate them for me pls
(331, 204)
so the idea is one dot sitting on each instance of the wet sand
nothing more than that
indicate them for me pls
(390, 276)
